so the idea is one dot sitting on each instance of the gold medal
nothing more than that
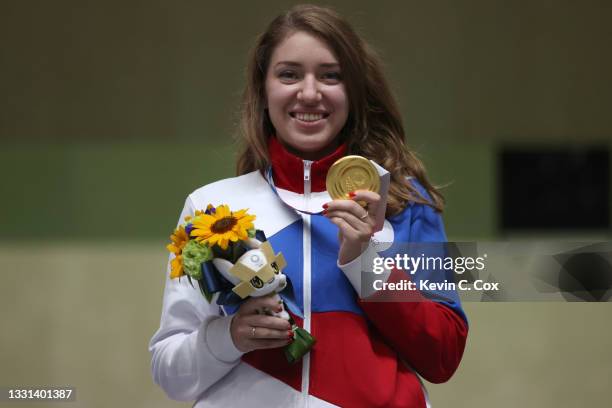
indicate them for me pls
(351, 173)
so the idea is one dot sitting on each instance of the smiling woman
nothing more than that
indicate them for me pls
(315, 93)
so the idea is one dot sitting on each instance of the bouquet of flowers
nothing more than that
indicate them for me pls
(223, 252)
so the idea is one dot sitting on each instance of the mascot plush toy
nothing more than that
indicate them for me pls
(258, 272)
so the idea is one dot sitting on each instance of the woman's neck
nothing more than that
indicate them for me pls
(312, 156)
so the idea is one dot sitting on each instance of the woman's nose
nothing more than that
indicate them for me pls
(310, 92)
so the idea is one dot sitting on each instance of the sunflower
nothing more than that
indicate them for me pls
(222, 226)
(179, 239)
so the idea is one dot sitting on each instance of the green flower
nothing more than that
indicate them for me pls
(194, 254)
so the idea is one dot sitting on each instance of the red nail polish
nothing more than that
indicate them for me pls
(325, 206)
(324, 212)
(289, 334)
(352, 194)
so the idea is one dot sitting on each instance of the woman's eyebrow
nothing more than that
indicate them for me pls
(290, 63)
(297, 64)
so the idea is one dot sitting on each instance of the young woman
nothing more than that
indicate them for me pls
(315, 93)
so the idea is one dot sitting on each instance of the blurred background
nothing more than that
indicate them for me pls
(112, 112)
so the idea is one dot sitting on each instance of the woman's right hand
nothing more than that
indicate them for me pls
(252, 329)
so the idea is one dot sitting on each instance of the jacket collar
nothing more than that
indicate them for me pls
(288, 169)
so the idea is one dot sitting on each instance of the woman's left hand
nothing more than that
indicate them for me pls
(356, 223)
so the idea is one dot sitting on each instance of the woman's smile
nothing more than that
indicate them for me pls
(309, 122)
(308, 116)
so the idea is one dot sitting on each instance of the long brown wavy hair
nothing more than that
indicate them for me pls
(374, 127)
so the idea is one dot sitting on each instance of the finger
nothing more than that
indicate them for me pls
(268, 343)
(343, 205)
(347, 231)
(261, 304)
(346, 208)
(352, 234)
(363, 225)
(369, 197)
(354, 207)
(265, 333)
(270, 322)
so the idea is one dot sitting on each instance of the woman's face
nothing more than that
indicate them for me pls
(305, 95)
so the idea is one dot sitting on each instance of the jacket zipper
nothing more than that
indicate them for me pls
(307, 188)
(307, 249)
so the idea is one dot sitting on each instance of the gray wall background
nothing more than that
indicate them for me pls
(112, 112)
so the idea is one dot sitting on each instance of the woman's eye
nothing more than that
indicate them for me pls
(287, 75)
(332, 76)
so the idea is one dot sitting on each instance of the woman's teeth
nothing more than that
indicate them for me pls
(309, 117)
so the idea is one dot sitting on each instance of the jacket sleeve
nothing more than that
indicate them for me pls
(192, 349)
(429, 335)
